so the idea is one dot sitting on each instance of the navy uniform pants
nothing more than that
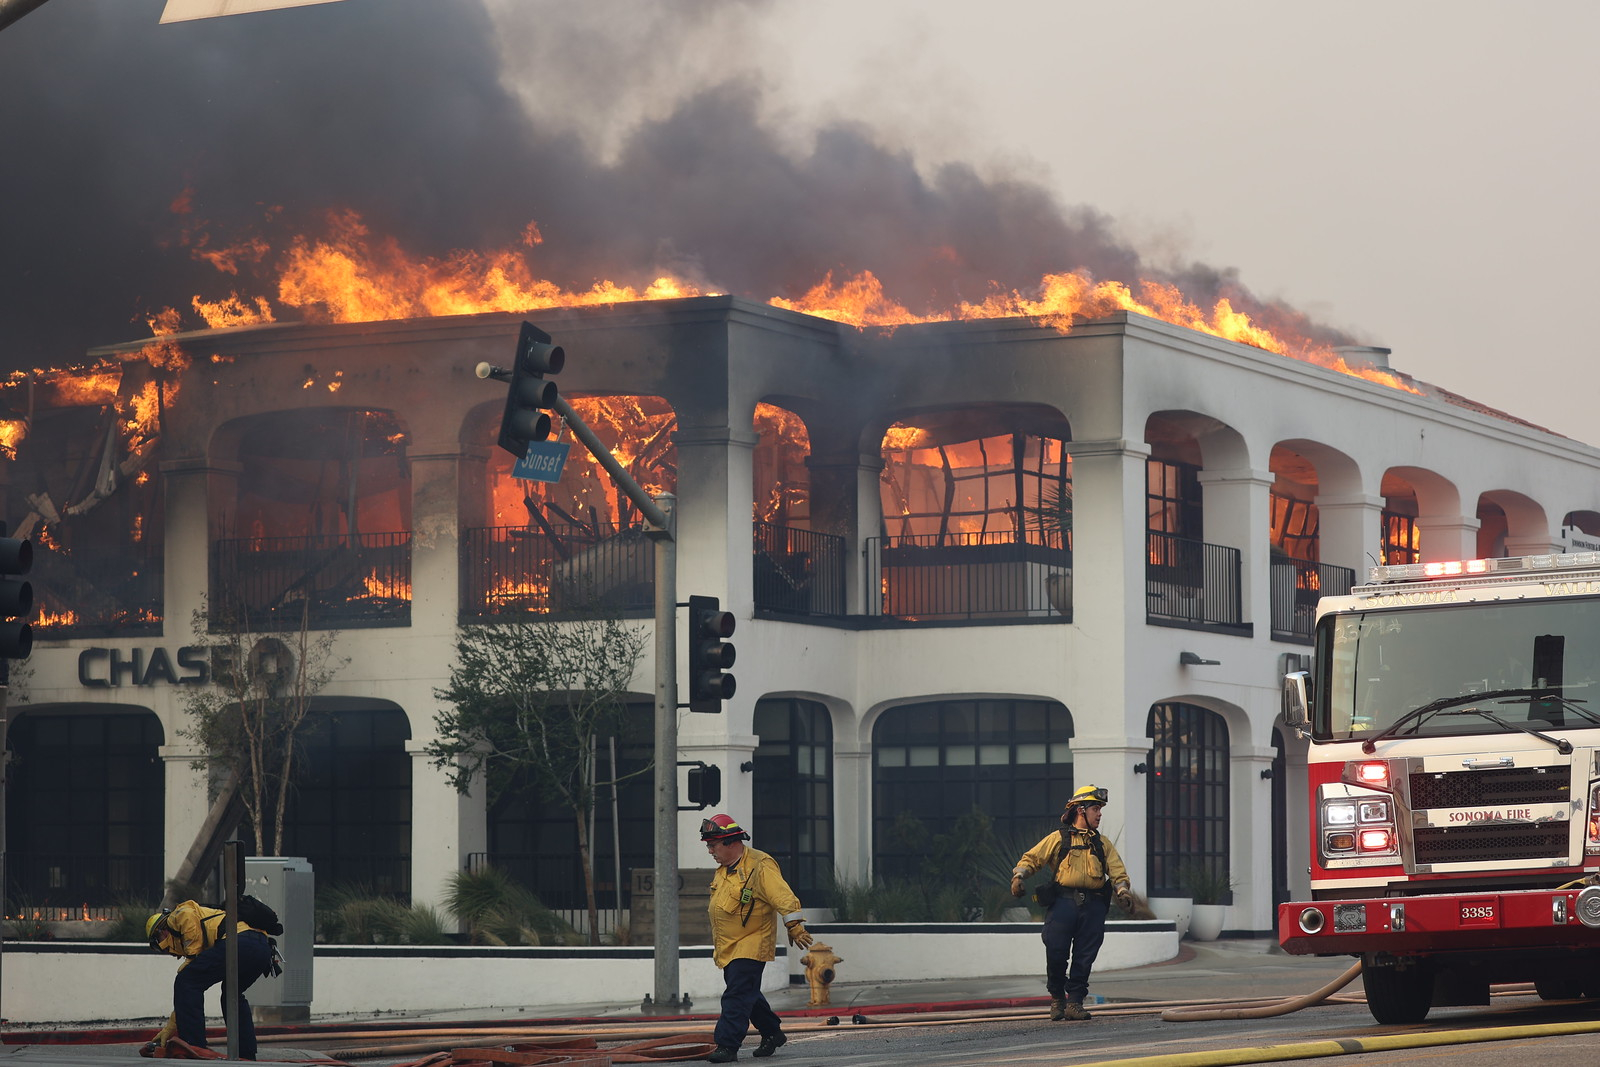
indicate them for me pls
(207, 970)
(744, 1004)
(1072, 936)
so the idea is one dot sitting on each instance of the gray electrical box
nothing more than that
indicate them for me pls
(287, 886)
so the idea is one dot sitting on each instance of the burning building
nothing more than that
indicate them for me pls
(975, 563)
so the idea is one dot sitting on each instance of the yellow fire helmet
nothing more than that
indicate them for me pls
(1089, 794)
(151, 932)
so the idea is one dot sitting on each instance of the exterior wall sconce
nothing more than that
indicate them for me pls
(1266, 774)
(1141, 768)
(1194, 659)
(747, 766)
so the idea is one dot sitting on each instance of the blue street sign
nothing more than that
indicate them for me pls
(543, 461)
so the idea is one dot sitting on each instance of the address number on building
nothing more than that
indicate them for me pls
(1477, 913)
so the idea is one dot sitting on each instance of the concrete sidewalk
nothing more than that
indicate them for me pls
(1243, 969)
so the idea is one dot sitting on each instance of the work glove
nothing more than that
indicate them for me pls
(1016, 885)
(798, 936)
(1125, 898)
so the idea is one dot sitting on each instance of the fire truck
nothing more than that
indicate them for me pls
(1453, 712)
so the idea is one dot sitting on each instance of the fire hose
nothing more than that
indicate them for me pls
(642, 1041)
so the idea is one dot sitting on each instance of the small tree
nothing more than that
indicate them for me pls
(533, 699)
(248, 718)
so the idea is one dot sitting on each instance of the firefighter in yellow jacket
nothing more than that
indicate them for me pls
(748, 894)
(193, 933)
(1088, 872)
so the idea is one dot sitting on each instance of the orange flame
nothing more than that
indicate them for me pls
(345, 278)
(348, 276)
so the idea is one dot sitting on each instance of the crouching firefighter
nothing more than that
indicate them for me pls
(1087, 872)
(748, 894)
(194, 933)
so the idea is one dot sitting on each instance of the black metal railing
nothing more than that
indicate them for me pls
(508, 571)
(798, 572)
(1191, 582)
(969, 576)
(107, 593)
(1297, 585)
(75, 880)
(271, 583)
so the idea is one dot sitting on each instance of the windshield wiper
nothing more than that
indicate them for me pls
(1563, 746)
(1370, 745)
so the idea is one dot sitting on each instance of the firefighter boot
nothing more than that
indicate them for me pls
(1058, 1009)
(723, 1054)
(770, 1044)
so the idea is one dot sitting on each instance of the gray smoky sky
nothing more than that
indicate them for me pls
(631, 133)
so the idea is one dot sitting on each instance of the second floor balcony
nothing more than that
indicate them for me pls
(1193, 584)
(322, 581)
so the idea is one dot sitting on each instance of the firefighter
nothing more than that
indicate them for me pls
(1087, 872)
(748, 894)
(193, 933)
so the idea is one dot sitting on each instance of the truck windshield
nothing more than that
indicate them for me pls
(1379, 666)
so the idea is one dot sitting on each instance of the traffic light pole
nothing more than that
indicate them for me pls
(659, 529)
(666, 887)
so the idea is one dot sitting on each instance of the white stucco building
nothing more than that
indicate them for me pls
(973, 563)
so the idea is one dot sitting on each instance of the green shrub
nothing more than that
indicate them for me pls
(357, 915)
(499, 911)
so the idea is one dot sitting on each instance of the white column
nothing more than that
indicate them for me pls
(1238, 513)
(1250, 833)
(852, 796)
(446, 826)
(1448, 537)
(1537, 545)
(1351, 528)
(186, 804)
(1109, 761)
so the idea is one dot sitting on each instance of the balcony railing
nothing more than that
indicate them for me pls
(108, 593)
(270, 583)
(1191, 583)
(798, 572)
(76, 880)
(969, 576)
(1297, 585)
(509, 571)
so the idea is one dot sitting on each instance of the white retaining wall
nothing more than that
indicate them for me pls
(53, 982)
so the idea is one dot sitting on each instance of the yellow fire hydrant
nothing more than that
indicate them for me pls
(819, 964)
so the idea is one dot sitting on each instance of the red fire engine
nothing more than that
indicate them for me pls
(1454, 778)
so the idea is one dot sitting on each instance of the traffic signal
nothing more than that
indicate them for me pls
(709, 654)
(705, 785)
(525, 420)
(16, 596)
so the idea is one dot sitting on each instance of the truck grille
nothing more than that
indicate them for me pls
(1503, 785)
(1460, 844)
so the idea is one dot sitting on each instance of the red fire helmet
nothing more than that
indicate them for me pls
(722, 828)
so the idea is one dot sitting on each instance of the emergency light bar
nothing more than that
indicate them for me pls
(1397, 572)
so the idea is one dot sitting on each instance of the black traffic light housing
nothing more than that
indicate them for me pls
(705, 785)
(530, 393)
(710, 655)
(16, 597)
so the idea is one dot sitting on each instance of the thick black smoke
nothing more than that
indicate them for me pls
(395, 108)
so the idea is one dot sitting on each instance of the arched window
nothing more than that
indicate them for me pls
(937, 761)
(1187, 793)
(350, 812)
(791, 811)
(85, 802)
(534, 840)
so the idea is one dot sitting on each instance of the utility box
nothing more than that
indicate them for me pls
(287, 886)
